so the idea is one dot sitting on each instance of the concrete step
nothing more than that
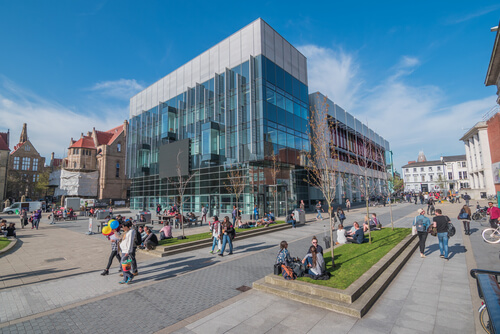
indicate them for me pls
(357, 299)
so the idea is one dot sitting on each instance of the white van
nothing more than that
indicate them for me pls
(28, 206)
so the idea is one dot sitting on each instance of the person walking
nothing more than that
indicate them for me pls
(234, 214)
(348, 204)
(341, 215)
(465, 216)
(115, 239)
(204, 212)
(494, 214)
(421, 223)
(215, 228)
(319, 208)
(127, 246)
(36, 219)
(441, 224)
(302, 205)
(430, 206)
(467, 199)
(226, 236)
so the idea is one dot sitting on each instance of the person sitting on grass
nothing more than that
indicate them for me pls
(166, 232)
(11, 230)
(284, 255)
(358, 236)
(3, 228)
(240, 224)
(341, 235)
(314, 262)
(370, 223)
(264, 221)
(151, 240)
(271, 218)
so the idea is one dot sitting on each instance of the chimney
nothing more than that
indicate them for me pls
(52, 159)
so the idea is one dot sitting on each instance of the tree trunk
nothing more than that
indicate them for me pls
(390, 207)
(332, 225)
(367, 201)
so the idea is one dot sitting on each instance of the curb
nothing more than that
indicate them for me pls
(8, 248)
(358, 298)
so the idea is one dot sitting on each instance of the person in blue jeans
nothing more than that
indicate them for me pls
(319, 208)
(441, 224)
(227, 234)
(291, 220)
(234, 214)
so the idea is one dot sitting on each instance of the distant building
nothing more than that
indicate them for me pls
(477, 151)
(24, 167)
(94, 166)
(424, 176)
(457, 175)
(493, 78)
(4, 162)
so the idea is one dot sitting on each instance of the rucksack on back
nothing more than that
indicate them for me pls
(419, 224)
(288, 273)
(451, 229)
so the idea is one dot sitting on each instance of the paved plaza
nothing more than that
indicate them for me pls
(201, 293)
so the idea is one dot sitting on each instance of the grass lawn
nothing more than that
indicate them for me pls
(4, 242)
(205, 235)
(353, 260)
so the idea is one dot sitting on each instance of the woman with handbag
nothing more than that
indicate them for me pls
(341, 215)
(464, 216)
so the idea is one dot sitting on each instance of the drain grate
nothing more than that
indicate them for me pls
(243, 288)
(56, 259)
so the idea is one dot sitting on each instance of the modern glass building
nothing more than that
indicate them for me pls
(241, 105)
(358, 149)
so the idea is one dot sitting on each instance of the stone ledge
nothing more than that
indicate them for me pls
(8, 248)
(357, 299)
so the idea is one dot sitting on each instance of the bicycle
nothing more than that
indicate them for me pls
(492, 235)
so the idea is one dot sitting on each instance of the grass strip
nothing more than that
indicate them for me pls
(4, 242)
(206, 235)
(353, 260)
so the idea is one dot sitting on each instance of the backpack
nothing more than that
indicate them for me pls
(451, 229)
(419, 224)
(342, 216)
(288, 273)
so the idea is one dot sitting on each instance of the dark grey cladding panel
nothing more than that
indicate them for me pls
(168, 158)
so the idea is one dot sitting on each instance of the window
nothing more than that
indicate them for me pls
(423, 178)
(421, 169)
(464, 164)
(460, 175)
(465, 175)
(16, 162)
(35, 164)
(117, 169)
(414, 170)
(27, 148)
(25, 163)
(74, 164)
(450, 176)
(34, 178)
(430, 177)
(430, 169)
(118, 147)
(407, 170)
(438, 167)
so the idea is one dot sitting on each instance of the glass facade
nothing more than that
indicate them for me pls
(238, 119)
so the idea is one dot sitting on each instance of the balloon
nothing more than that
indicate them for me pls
(109, 222)
(114, 224)
(106, 230)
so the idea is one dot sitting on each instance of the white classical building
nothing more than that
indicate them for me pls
(457, 175)
(477, 151)
(449, 173)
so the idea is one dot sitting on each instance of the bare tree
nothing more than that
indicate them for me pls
(181, 184)
(381, 158)
(275, 170)
(365, 161)
(236, 184)
(322, 162)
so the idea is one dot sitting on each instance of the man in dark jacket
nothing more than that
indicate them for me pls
(151, 240)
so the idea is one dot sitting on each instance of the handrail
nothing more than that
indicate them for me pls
(489, 290)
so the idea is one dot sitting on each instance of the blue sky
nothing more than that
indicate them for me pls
(413, 71)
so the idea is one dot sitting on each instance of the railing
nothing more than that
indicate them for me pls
(489, 291)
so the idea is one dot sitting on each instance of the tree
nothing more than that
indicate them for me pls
(236, 184)
(322, 162)
(397, 183)
(181, 184)
(275, 170)
(42, 184)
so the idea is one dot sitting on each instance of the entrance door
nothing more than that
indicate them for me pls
(425, 188)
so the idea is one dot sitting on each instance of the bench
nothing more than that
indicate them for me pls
(489, 290)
